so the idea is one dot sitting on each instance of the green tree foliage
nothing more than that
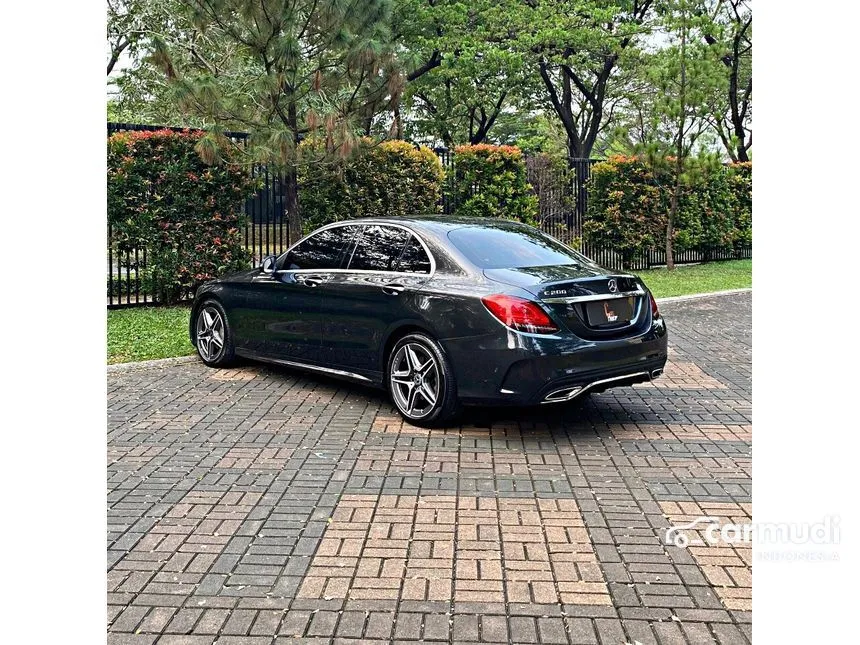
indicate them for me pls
(730, 34)
(392, 178)
(491, 181)
(580, 49)
(465, 77)
(128, 23)
(463, 99)
(183, 213)
(535, 132)
(138, 90)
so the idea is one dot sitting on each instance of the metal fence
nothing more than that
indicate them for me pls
(561, 189)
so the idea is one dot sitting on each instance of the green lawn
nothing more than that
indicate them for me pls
(145, 333)
(698, 278)
(141, 334)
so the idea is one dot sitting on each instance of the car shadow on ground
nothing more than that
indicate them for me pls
(572, 418)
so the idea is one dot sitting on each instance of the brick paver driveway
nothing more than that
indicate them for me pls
(259, 505)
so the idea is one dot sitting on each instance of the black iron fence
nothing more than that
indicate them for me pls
(561, 189)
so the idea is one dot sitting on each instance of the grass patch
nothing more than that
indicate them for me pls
(141, 334)
(698, 278)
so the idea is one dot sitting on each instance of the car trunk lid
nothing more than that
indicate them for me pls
(592, 303)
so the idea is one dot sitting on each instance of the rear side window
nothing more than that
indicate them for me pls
(323, 250)
(414, 258)
(509, 248)
(378, 248)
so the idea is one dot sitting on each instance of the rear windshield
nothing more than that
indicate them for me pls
(510, 248)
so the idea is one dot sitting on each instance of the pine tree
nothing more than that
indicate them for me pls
(685, 75)
(293, 73)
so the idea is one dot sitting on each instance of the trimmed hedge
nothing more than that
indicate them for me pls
(626, 209)
(628, 202)
(740, 183)
(185, 213)
(492, 181)
(391, 178)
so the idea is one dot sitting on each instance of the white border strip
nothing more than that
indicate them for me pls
(145, 365)
(696, 296)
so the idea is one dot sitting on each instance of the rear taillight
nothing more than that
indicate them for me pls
(519, 314)
(655, 313)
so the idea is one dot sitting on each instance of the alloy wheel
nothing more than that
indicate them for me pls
(210, 333)
(415, 381)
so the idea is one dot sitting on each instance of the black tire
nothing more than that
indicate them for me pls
(206, 341)
(436, 379)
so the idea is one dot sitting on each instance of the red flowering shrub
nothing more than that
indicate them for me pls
(491, 181)
(185, 214)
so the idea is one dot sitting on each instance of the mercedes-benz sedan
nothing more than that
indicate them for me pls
(440, 312)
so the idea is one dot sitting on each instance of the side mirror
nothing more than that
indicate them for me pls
(268, 265)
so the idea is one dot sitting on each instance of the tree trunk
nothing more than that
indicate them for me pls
(291, 180)
(396, 130)
(583, 172)
(573, 150)
(291, 205)
(670, 220)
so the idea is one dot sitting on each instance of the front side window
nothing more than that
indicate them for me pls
(414, 258)
(323, 250)
(378, 248)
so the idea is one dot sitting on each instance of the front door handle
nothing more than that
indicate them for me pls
(393, 288)
(311, 280)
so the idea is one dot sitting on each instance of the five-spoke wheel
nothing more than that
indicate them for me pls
(421, 381)
(415, 380)
(212, 335)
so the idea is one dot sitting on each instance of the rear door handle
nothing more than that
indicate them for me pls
(393, 288)
(311, 280)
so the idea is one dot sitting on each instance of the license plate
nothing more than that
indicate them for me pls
(609, 312)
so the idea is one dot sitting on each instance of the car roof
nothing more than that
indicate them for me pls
(439, 223)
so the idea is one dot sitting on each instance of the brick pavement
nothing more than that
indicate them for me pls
(259, 505)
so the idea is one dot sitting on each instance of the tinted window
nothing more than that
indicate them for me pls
(507, 248)
(414, 258)
(323, 250)
(378, 248)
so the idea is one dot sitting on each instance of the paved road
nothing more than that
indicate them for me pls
(259, 505)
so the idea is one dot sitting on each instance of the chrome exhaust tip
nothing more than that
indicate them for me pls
(564, 394)
(570, 392)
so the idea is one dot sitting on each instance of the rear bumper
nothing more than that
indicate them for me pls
(560, 392)
(522, 369)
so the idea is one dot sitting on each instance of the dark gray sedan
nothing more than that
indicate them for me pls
(440, 312)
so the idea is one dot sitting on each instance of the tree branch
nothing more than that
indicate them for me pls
(434, 61)
(116, 51)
